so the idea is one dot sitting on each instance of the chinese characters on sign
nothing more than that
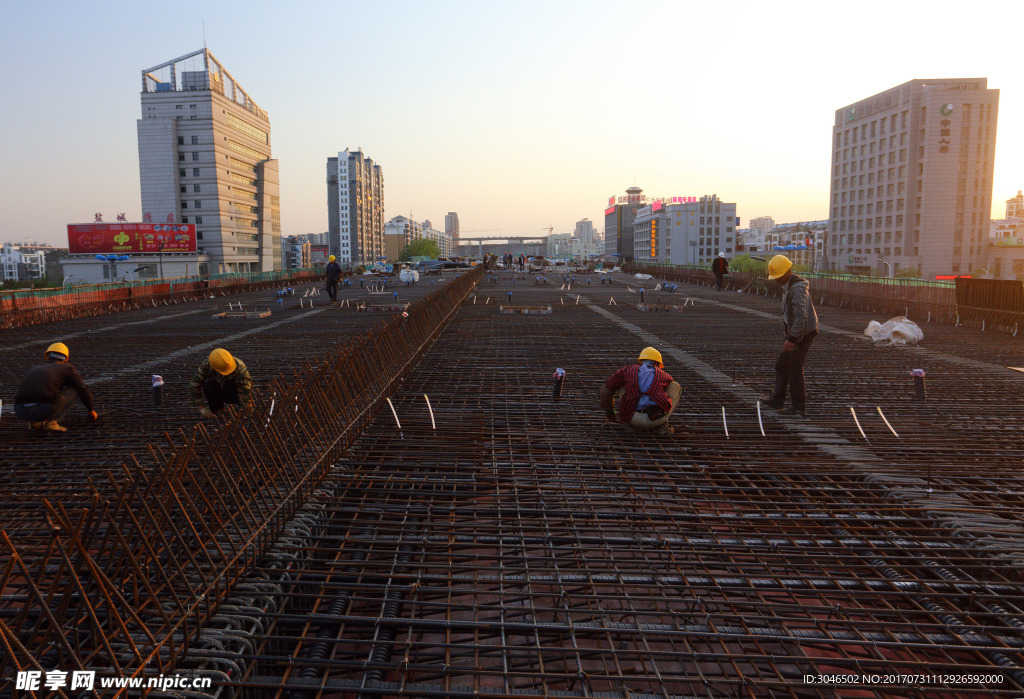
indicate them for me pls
(99, 217)
(121, 217)
(944, 128)
(122, 238)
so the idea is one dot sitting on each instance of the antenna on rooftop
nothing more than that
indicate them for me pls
(204, 35)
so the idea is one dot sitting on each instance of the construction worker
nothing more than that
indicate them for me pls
(801, 323)
(49, 390)
(220, 379)
(720, 267)
(647, 394)
(333, 277)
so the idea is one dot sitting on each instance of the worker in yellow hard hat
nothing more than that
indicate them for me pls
(647, 394)
(333, 277)
(801, 323)
(221, 379)
(50, 389)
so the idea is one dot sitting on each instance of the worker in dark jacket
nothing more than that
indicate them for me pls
(647, 394)
(720, 267)
(220, 379)
(801, 324)
(49, 390)
(333, 277)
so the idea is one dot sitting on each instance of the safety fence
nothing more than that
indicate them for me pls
(982, 303)
(33, 306)
(127, 582)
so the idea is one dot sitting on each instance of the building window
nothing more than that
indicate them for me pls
(184, 219)
(195, 188)
(181, 140)
(199, 235)
(195, 140)
(195, 172)
(199, 219)
(181, 156)
(184, 204)
(184, 189)
(181, 173)
(199, 204)
(195, 155)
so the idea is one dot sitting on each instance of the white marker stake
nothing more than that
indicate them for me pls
(759, 423)
(886, 421)
(854, 413)
(394, 413)
(432, 425)
(724, 423)
(578, 303)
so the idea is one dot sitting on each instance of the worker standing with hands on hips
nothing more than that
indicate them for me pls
(647, 394)
(333, 277)
(49, 390)
(801, 323)
(220, 379)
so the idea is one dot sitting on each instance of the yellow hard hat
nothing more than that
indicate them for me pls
(58, 347)
(651, 353)
(222, 361)
(331, 258)
(779, 265)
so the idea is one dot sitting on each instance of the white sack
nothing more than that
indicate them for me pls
(895, 331)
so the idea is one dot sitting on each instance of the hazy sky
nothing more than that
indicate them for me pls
(517, 114)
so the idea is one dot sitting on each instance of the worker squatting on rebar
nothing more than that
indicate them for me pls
(647, 394)
(801, 323)
(49, 390)
(333, 277)
(221, 379)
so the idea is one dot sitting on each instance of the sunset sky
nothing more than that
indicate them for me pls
(516, 115)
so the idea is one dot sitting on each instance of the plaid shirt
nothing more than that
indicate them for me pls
(628, 376)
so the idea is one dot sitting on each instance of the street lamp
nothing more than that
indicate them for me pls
(887, 265)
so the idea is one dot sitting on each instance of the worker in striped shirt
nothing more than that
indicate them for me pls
(646, 393)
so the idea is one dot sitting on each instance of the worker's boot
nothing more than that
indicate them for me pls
(53, 426)
(663, 429)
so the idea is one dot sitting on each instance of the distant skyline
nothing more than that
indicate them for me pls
(517, 115)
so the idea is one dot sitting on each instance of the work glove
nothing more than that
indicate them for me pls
(94, 415)
(205, 412)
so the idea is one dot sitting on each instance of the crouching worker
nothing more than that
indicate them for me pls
(220, 379)
(647, 394)
(49, 390)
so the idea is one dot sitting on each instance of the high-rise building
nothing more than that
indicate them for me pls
(204, 158)
(685, 231)
(355, 208)
(1015, 206)
(444, 240)
(912, 178)
(399, 232)
(451, 227)
(618, 223)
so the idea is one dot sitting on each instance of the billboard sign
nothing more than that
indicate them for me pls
(318, 254)
(859, 259)
(1008, 242)
(131, 238)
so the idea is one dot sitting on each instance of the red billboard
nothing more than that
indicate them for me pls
(130, 238)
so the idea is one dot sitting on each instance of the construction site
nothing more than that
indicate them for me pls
(413, 506)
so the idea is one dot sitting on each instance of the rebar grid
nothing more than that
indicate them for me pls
(116, 356)
(524, 548)
(126, 583)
